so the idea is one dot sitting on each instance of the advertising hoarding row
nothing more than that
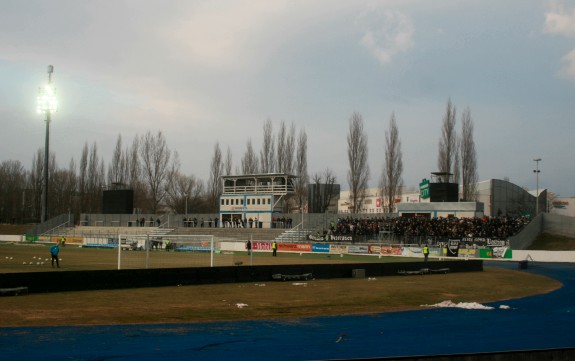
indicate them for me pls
(453, 248)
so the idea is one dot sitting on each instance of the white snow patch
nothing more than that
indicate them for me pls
(464, 305)
(241, 305)
(300, 284)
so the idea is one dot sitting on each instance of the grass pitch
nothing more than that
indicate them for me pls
(35, 257)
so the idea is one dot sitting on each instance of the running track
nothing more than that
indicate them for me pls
(544, 321)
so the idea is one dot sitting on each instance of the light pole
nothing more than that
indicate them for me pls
(537, 171)
(47, 105)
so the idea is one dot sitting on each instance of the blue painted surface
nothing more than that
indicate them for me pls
(543, 321)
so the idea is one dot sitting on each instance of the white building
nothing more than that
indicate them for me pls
(255, 197)
(499, 197)
(375, 203)
(563, 206)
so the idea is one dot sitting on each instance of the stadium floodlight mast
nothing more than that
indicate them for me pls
(537, 171)
(47, 104)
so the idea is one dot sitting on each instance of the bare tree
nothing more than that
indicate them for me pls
(301, 169)
(155, 157)
(357, 154)
(448, 141)
(116, 168)
(134, 173)
(456, 163)
(289, 151)
(391, 177)
(94, 181)
(185, 193)
(12, 181)
(34, 187)
(215, 181)
(281, 148)
(64, 190)
(132, 161)
(250, 160)
(324, 190)
(469, 175)
(83, 179)
(228, 162)
(267, 163)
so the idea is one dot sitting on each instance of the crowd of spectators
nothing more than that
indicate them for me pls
(430, 228)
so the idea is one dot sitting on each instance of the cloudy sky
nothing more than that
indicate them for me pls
(213, 71)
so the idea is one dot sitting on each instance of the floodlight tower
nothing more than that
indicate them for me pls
(47, 105)
(537, 171)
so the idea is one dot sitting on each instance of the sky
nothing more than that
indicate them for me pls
(207, 72)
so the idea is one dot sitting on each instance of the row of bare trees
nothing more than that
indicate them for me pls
(147, 166)
(456, 156)
(457, 152)
(152, 170)
(280, 153)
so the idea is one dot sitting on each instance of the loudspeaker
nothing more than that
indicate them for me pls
(443, 192)
(118, 201)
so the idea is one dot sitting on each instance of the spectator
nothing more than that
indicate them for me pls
(54, 251)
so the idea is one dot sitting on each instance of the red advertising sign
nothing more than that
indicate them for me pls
(262, 246)
(294, 247)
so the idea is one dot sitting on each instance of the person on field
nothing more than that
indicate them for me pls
(63, 241)
(249, 247)
(274, 248)
(425, 252)
(54, 251)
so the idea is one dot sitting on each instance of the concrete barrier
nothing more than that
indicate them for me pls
(544, 256)
(12, 238)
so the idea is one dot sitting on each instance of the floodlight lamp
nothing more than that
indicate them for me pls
(47, 102)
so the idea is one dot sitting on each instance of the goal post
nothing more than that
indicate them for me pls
(168, 251)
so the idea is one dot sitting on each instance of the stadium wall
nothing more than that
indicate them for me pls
(558, 224)
(523, 239)
(544, 256)
(543, 223)
(38, 282)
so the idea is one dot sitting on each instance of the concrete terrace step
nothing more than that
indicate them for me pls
(293, 235)
(259, 234)
(265, 234)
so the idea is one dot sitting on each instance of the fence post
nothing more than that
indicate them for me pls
(147, 247)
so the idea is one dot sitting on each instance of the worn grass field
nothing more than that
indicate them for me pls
(248, 301)
(35, 257)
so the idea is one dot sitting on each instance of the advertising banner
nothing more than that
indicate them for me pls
(412, 252)
(358, 249)
(453, 248)
(385, 250)
(486, 253)
(468, 253)
(502, 252)
(317, 237)
(469, 242)
(347, 238)
(337, 249)
(294, 247)
(261, 246)
(31, 238)
(320, 248)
